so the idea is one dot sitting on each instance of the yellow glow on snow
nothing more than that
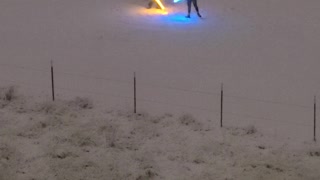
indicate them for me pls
(153, 12)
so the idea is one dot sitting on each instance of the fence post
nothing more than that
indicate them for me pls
(314, 118)
(221, 105)
(52, 80)
(135, 92)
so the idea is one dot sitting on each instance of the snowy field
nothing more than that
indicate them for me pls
(74, 140)
(264, 52)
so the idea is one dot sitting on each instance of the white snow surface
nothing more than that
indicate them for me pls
(76, 140)
(264, 52)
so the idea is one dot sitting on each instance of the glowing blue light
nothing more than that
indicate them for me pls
(170, 18)
(176, 1)
(176, 19)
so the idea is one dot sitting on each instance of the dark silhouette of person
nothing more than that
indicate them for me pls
(195, 4)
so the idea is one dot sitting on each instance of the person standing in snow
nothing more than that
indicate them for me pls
(195, 4)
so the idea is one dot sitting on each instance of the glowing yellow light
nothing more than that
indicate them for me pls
(152, 12)
(160, 4)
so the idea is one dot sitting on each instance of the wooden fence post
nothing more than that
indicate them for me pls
(221, 106)
(52, 81)
(135, 92)
(314, 118)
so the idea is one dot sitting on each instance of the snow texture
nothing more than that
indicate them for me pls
(66, 140)
(264, 52)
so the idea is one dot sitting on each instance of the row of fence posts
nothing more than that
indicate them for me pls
(221, 101)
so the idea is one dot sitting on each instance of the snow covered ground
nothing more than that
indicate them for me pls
(76, 140)
(265, 52)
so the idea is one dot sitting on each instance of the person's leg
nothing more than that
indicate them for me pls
(195, 4)
(189, 8)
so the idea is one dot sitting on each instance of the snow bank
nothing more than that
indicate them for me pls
(74, 140)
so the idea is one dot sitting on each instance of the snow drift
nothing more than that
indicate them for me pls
(76, 140)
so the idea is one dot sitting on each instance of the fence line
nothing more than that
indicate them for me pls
(164, 103)
(268, 119)
(94, 77)
(26, 84)
(93, 93)
(111, 95)
(97, 93)
(175, 105)
(179, 105)
(152, 85)
(24, 67)
(148, 85)
(115, 96)
(269, 102)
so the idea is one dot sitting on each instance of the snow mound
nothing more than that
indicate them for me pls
(74, 140)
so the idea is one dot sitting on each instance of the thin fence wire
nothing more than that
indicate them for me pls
(266, 119)
(152, 85)
(177, 105)
(268, 101)
(25, 84)
(93, 77)
(155, 86)
(23, 67)
(93, 93)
